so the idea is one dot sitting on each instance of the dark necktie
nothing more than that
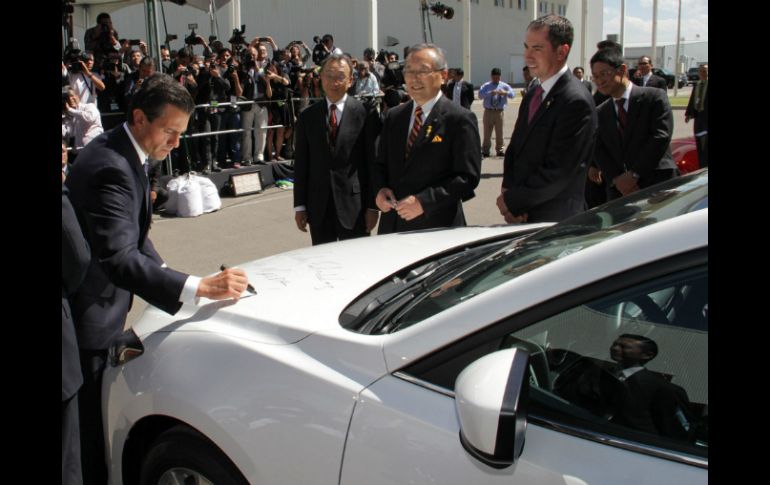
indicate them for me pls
(534, 103)
(416, 126)
(621, 116)
(332, 124)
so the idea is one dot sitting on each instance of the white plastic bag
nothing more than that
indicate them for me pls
(209, 195)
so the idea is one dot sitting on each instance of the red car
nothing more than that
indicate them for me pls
(685, 154)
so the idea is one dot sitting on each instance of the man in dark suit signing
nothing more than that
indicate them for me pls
(332, 190)
(552, 143)
(458, 90)
(635, 126)
(644, 76)
(429, 158)
(110, 193)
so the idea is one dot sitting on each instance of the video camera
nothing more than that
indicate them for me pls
(192, 39)
(237, 38)
(319, 51)
(73, 55)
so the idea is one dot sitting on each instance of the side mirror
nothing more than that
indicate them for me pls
(491, 395)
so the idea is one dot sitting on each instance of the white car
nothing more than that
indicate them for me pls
(573, 353)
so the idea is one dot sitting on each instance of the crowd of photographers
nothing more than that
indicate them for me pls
(251, 95)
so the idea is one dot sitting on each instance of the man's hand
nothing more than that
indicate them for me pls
(229, 283)
(626, 183)
(153, 196)
(594, 175)
(385, 200)
(371, 217)
(409, 208)
(512, 219)
(501, 204)
(300, 217)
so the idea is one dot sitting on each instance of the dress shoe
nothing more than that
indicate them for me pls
(500, 153)
(485, 154)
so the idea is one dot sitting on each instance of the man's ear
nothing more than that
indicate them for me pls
(563, 52)
(139, 118)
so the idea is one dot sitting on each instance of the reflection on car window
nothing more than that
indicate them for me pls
(633, 364)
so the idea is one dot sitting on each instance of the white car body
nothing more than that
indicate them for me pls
(290, 396)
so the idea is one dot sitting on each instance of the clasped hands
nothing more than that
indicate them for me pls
(408, 208)
(507, 215)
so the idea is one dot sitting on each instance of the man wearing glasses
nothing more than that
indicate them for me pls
(644, 76)
(635, 126)
(429, 158)
(552, 143)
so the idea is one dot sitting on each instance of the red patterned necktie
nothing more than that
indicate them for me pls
(621, 116)
(534, 103)
(333, 124)
(415, 129)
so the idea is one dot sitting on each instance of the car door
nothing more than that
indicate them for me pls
(589, 423)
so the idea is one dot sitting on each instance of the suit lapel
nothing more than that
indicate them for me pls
(633, 113)
(546, 104)
(429, 128)
(399, 131)
(143, 187)
(347, 129)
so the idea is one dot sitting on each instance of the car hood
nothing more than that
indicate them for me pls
(302, 292)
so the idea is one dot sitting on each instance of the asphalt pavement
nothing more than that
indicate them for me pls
(259, 225)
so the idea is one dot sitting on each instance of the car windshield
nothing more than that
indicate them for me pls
(431, 286)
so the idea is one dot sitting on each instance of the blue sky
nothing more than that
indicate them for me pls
(639, 20)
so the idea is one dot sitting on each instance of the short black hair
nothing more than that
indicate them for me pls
(560, 30)
(156, 92)
(103, 15)
(610, 56)
(459, 71)
(646, 344)
(496, 71)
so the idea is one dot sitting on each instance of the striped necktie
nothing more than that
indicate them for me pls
(416, 126)
(332, 125)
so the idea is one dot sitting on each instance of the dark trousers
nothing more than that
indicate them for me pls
(92, 448)
(702, 144)
(330, 229)
(70, 443)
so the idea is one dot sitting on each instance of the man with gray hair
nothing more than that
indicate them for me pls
(429, 158)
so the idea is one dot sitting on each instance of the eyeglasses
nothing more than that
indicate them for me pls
(334, 77)
(604, 74)
(419, 74)
(642, 63)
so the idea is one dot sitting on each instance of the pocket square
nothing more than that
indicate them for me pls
(437, 139)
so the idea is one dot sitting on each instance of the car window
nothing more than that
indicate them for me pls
(632, 364)
(415, 294)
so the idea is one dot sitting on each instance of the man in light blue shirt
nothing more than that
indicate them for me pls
(495, 95)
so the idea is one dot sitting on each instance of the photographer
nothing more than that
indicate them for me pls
(114, 73)
(79, 72)
(295, 57)
(229, 145)
(186, 156)
(134, 80)
(279, 111)
(258, 43)
(80, 121)
(254, 117)
(323, 48)
(102, 38)
(310, 88)
(212, 89)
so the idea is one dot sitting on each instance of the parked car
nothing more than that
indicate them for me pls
(692, 75)
(478, 355)
(665, 74)
(685, 154)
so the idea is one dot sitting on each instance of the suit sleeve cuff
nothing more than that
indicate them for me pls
(189, 290)
(300, 208)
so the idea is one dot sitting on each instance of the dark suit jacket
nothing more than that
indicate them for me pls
(75, 256)
(110, 194)
(466, 93)
(344, 172)
(546, 161)
(654, 82)
(701, 117)
(646, 139)
(442, 170)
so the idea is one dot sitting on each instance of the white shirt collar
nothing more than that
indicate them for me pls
(139, 152)
(646, 79)
(549, 83)
(339, 104)
(625, 97)
(426, 107)
(631, 371)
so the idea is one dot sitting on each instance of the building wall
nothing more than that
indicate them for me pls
(497, 32)
(691, 54)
